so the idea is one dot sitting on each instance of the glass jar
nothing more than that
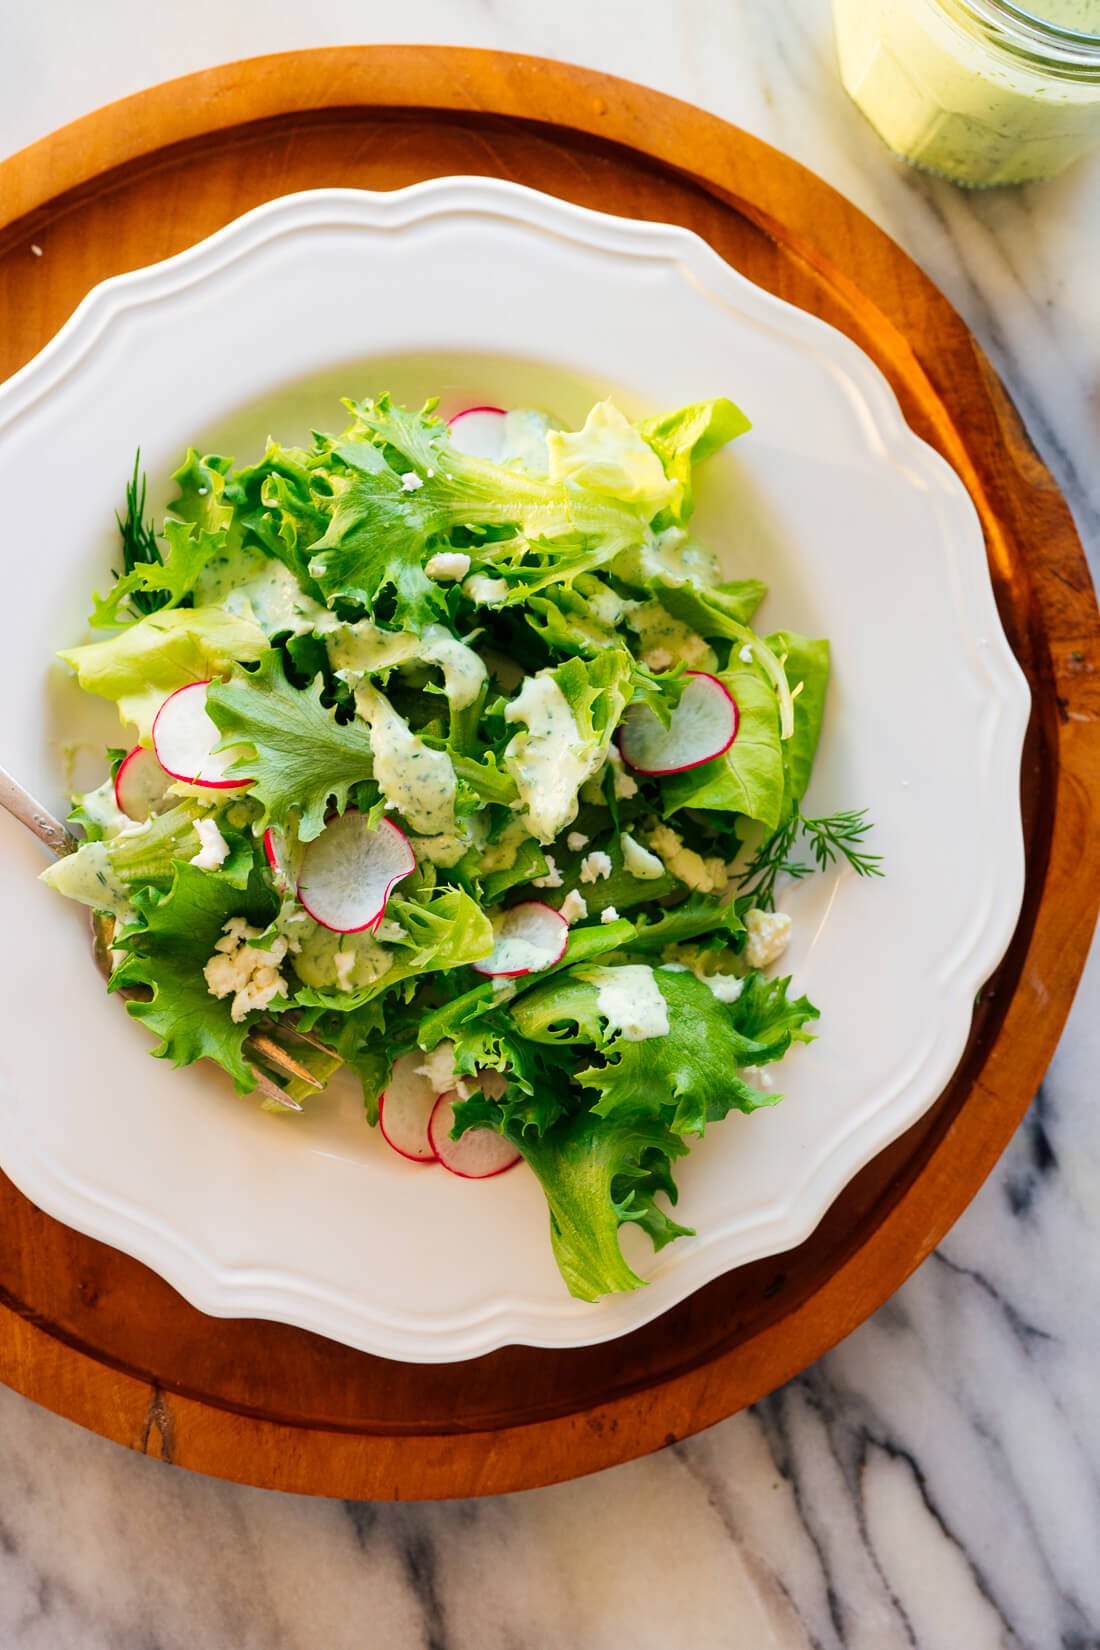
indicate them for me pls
(979, 91)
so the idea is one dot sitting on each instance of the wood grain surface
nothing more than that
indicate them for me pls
(95, 1335)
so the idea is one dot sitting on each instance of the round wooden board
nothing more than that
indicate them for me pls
(95, 1335)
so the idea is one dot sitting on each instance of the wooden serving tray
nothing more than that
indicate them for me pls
(95, 1335)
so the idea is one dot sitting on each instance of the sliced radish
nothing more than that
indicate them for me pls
(184, 738)
(275, 850)
(526, 938)
(479, 432)
(405, 1110)
(140, 783)
(348, 871)
(704, 724)
(478, 1154)
(285, 858)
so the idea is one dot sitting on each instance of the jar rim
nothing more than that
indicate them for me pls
(1016, 27)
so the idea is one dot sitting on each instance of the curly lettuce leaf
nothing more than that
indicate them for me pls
(146, 662)
(276, 507)
(689, 1077)
(720, 612)
(399, 486)
(610, 458)
(597, 1174)
(695, 917)
(565, 621)
(301, 759)
(770, 1018)
(166, 953)
(684, 438)
(444, 929)
(201, 500)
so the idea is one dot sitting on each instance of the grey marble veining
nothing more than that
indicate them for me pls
(935, 1481)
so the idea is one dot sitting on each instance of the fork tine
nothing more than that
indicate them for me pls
(287, 1024)
(271, 1091)
(278, 1056)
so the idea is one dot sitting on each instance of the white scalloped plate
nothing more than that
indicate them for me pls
(862, 532)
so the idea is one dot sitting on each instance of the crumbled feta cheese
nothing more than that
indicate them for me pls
(552, 879)
(411, 482)
(609, 914)
(573, 906)
(575, 841)
(439, 1069)
(486, 592)
(447, 564)
(658, 658)
(705, 876)
(769, 934)
(244, 972)
(745, 654)
(626, 785)
(594, 866)
(639, 861)
(213, 848)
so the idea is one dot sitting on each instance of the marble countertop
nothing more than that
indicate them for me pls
(935, 1481)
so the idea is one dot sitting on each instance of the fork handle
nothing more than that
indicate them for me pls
(23, 807)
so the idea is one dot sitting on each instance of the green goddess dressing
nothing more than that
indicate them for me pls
(971, 89)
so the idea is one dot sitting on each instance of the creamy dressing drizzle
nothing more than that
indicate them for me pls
(631, 1001)
(358, 650)
(88, 876)
(669, 556)
(418, 781)
(255, 586)
(102, 809)
(326, 960)
(545, 758)
(501, 854)
(660, 633)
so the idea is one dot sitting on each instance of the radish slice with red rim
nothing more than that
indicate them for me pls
(405, 1108)
(349, 870)
(478, 1154)
(527, 938)
(479, 432)
(284, 858)
(184, 738)
(704, 725)
(275, 850)
(140, 783)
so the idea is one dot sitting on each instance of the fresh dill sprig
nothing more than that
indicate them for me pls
(139, 541)
(830, 839)
(840, 836)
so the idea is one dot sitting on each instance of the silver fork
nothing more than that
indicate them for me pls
(259, 1044)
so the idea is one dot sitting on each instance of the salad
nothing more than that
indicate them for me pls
(450, 758)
